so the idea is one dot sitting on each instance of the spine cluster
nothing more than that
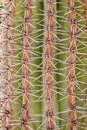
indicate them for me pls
(26, 49)
(48, 55)
(71, 65)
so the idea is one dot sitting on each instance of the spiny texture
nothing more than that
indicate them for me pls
(85, 16)
(48, 55)
(26, 64)
(3, 42)
(37, 67)
(71, 64)
(10, 43)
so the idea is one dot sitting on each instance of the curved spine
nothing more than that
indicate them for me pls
(47, 62)
(26, 50)
(71, 65)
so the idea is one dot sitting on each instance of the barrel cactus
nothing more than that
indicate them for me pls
(43, 64)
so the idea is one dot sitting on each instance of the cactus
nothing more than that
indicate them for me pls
(43, 65)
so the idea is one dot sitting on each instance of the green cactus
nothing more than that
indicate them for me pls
(43, 65)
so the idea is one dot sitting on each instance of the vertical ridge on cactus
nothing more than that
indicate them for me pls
(4, 99)
(71, 65)
(47, 63)
(10, 49)
(26, 48)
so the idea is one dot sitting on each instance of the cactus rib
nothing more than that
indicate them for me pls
(26, 49)
(48, 55)
(71, 65)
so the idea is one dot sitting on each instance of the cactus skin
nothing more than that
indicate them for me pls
(48, 55)
(26, 48)
(71, 65)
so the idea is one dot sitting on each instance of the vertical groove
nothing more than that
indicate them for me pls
(10, 37)
(26, 49)
(71, 65)
(47, 59)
